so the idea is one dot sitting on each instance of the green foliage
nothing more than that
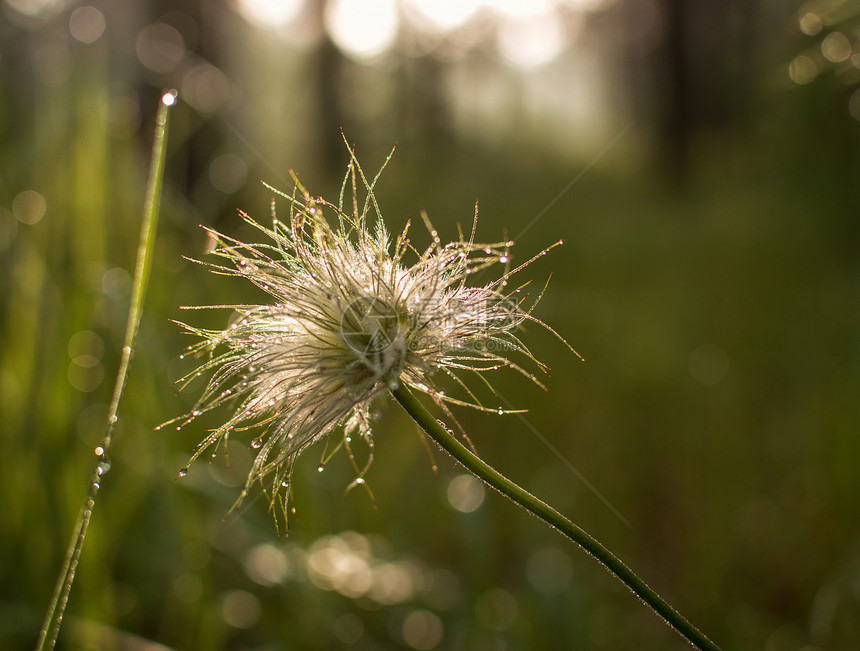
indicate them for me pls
(717, 409)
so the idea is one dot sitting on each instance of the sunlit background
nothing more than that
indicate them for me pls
(700, 160)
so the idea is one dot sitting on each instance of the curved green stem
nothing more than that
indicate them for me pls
(552, 517)
(60, 598)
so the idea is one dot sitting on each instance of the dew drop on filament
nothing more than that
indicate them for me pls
(183, 471)
(257, 443)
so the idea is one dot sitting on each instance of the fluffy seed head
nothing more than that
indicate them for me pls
(354, 312)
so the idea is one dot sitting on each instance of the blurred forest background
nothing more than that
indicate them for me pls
(699, 158)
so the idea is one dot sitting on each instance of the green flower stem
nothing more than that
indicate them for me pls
(152, 201)
(549, 515)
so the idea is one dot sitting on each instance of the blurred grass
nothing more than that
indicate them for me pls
(742, 494)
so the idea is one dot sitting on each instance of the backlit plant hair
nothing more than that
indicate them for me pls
(356, 314)
(350, 320)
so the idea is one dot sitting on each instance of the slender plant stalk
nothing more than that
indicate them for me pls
(60, 598)
(551, 517)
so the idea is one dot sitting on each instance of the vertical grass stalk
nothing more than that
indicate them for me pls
(551, 517)
(57, 607)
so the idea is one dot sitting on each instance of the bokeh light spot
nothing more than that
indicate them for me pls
(160, 47)
(34, 7)
(442, 15)
(810, 24)
(443, 589)
(205, 87)
(228, 173)
(87, 24)
(120, 598)
(590, 5)
(116, 283)
(119, 107)
(188, 588)
(496, 609)
(854, 105)
(269, 13)
(392, 584)
(802, 70)
(532, 41)
(86, 342)
(266, 564)
(465, 493)
(520, 8)
(52, 64)
(85, 373)
(29, 207)
(422, 630)
(240, 609)
(334, 565)
(363, 29)
(836, 47)
(348, 628)
(86, 361)
(548, 571)
(708, 364)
